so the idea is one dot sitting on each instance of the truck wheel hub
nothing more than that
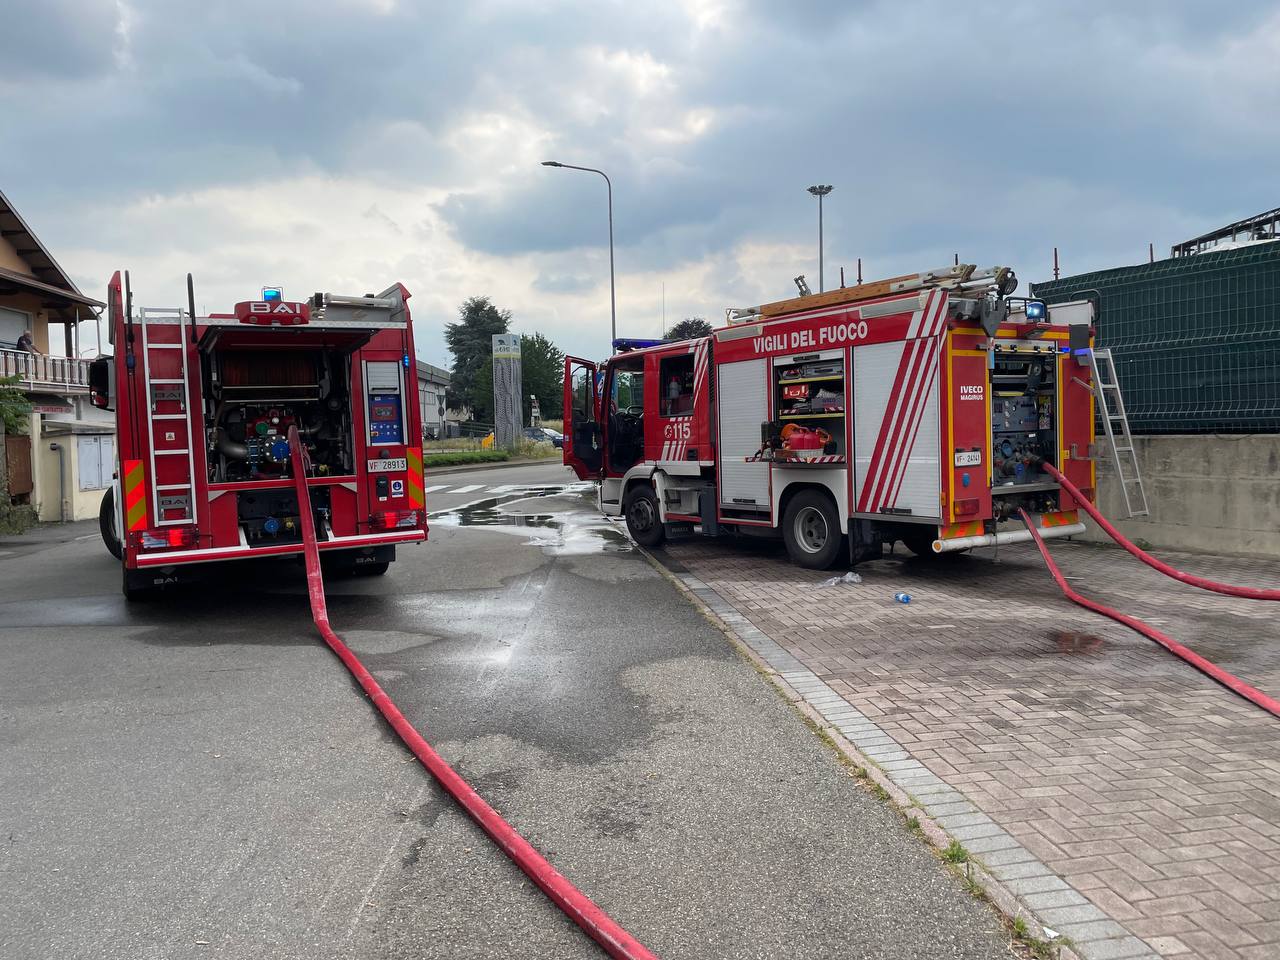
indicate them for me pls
(642, 514)
(811, 530)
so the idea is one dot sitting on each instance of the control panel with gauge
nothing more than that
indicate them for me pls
(385, 403)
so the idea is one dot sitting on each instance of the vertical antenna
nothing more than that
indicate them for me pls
(1055, 263)
(859, 271)
(663, 331)
(842, 278)
(1151, 253)
(957, 259)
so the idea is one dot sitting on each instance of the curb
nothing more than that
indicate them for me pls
(1016, 882)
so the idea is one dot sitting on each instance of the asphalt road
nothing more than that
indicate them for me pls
(198, 777)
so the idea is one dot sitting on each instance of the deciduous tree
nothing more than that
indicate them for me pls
(689, 328)
(470, 340)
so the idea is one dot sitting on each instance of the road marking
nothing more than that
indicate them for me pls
(391, 852)
(468, 488)
(89, 536)
(940, 626)
(438, 486)
(503, 489)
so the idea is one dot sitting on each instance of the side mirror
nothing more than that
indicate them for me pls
(102, 375)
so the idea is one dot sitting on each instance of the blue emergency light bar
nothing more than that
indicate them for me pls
(1036, 310)
(623, 344)
(272, 293)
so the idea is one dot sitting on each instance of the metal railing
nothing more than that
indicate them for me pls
(38, 372)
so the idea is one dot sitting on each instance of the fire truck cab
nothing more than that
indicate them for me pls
(204, 406)
(916, 409)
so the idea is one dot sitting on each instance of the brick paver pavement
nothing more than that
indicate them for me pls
(1152, 790)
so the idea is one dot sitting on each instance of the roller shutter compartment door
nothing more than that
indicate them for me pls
(743, 392)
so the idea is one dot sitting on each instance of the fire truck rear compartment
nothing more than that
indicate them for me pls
(255, 396)
(269, 517)
(1024, 424)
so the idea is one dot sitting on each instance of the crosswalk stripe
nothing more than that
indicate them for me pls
(438, 486)
(468, 488)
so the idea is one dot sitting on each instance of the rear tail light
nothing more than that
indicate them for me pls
(174, 538)
(966, 507)
(395, 519)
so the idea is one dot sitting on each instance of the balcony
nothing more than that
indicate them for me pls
(35, 372)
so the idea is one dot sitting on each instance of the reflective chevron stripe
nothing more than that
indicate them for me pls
(135, 495)
(414, 481)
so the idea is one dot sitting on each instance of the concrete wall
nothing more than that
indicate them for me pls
(1215, 493)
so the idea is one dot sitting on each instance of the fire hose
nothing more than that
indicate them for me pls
(1251, 593)
(1210, 669)
(597, 924)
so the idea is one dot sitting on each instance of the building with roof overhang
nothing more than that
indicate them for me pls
(66, 462)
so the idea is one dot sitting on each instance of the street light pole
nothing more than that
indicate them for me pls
(613, 299)
(820, 190)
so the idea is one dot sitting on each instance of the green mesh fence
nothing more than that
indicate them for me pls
(1196, 340)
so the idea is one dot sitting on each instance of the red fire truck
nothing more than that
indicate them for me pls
(915, 409)
(203, 407)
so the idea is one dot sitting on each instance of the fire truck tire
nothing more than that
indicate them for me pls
(921, 544)
(135, 585)
(811, 530)
(644, 522)
(107, 524)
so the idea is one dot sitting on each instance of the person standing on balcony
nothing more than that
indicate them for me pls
(28, 346)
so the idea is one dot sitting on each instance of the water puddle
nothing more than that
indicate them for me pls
(555, 518)
(1073, 644)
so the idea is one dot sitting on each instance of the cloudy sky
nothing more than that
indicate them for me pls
(341, 145)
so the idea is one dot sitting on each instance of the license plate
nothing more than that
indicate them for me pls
(969, 458)
(388, 465)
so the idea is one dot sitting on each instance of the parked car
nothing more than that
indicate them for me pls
(544, 435)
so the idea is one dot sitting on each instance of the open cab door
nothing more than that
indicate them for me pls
(582, 440)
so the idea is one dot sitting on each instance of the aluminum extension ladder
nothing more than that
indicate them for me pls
(1110, 402)
(167, 382)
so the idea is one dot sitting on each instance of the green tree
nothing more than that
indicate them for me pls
(689, 328)
(482, 406)
(14, 418)
(542, 375)
(470, 340)
(14, 408)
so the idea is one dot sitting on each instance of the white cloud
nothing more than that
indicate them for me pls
(343, 147)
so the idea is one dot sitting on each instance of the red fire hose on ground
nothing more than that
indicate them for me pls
(1210, 669)
(1250, 593)
(581, 910)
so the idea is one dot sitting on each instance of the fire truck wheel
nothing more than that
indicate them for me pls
(811, 530)
(644, 523)
(135, 585)
(107, 524)
(921, 544)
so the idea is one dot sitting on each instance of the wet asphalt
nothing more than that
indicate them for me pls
(198, 777)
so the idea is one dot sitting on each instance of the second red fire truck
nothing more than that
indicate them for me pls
(204, 406)
(917, 409)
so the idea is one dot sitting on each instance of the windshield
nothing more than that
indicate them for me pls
(628, 391)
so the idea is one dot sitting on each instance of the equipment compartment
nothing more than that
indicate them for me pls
(809, 401)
